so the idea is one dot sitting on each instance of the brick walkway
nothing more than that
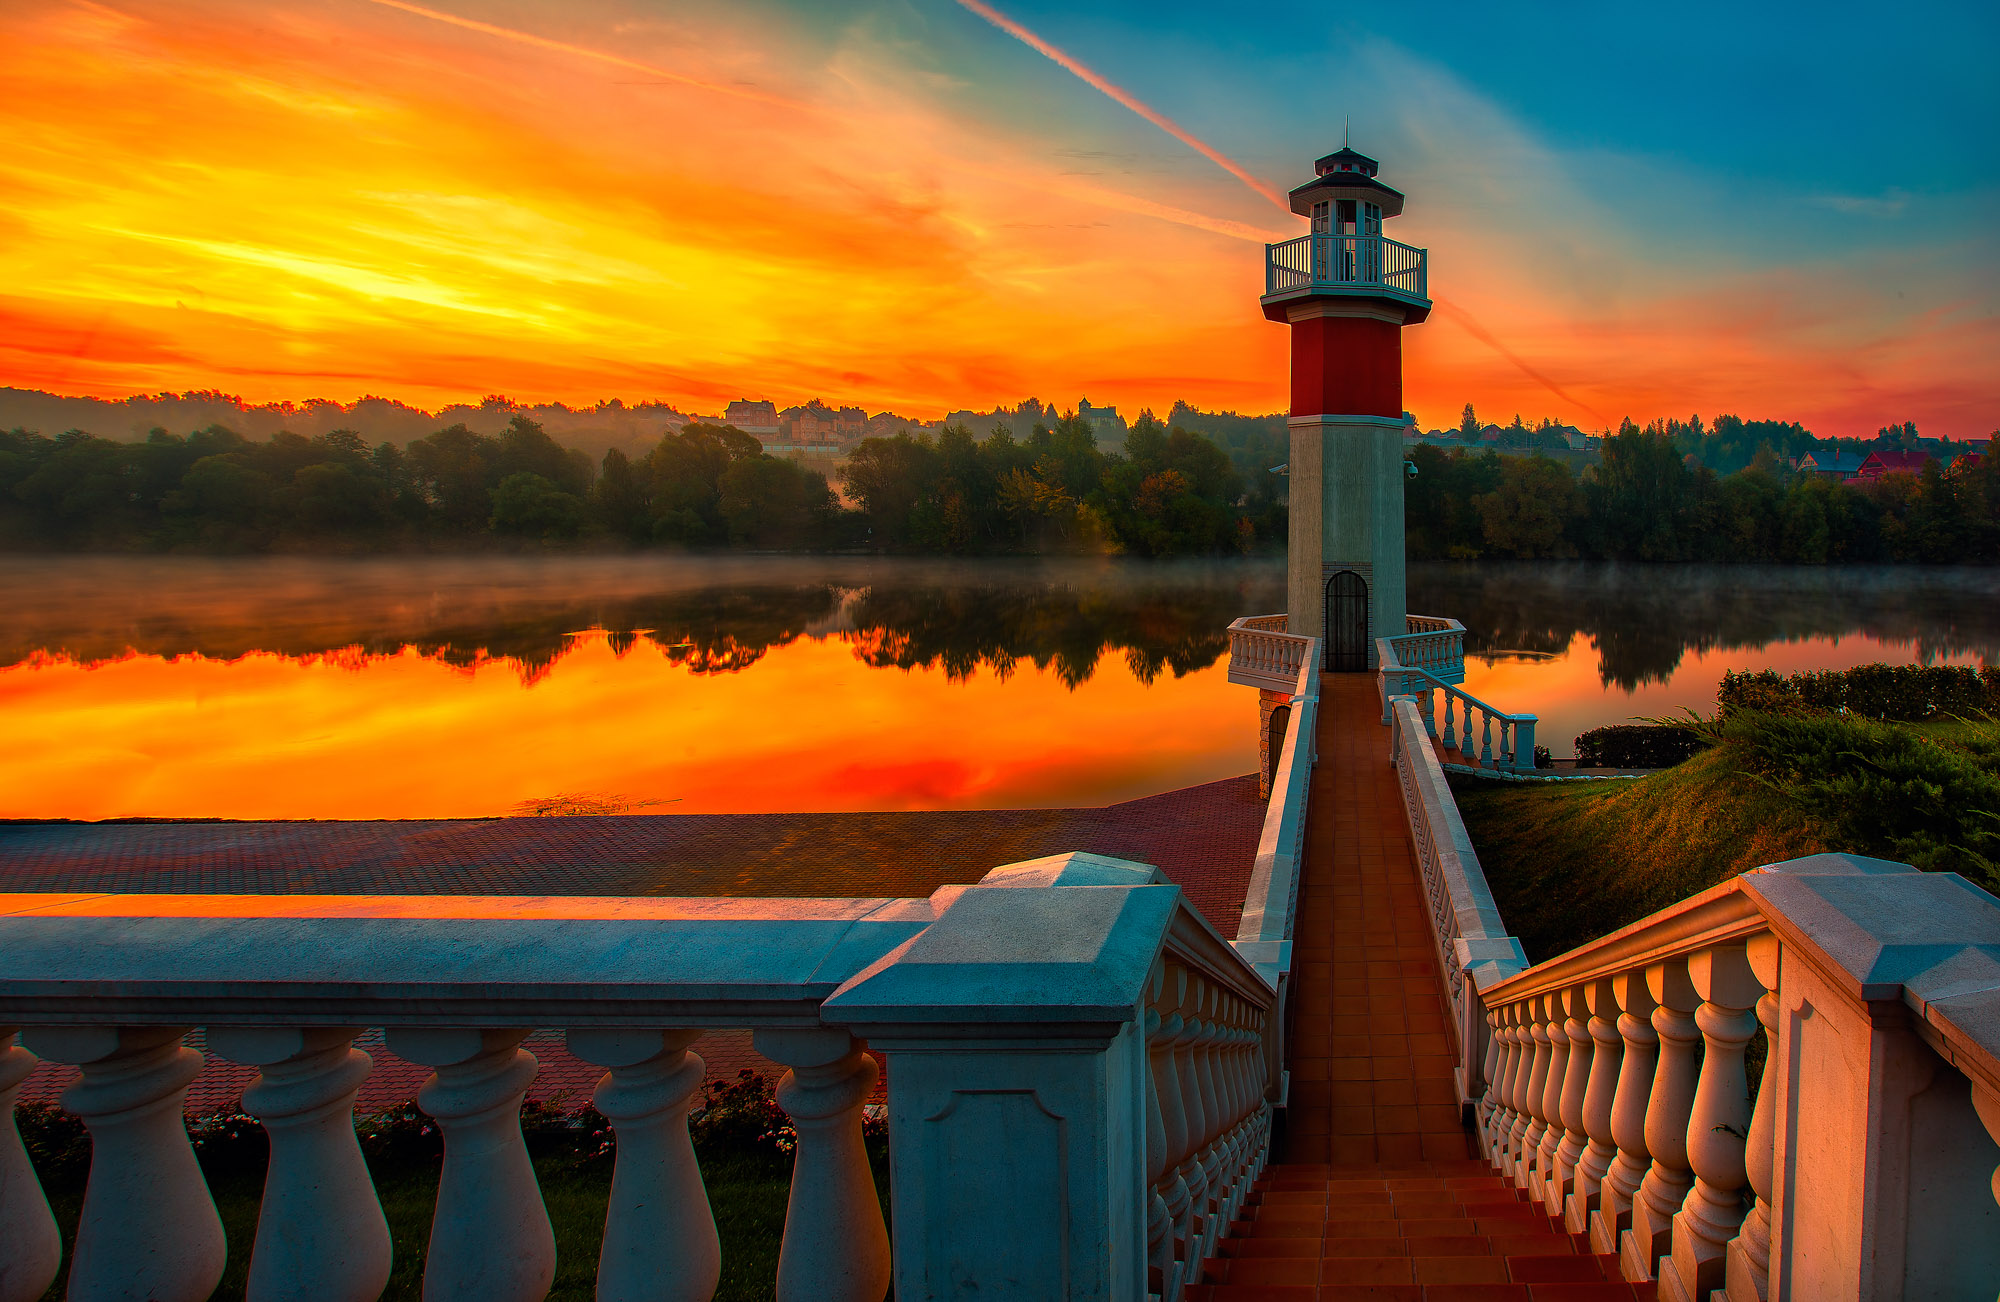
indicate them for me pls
(1375, 1190)
(1370, 1061)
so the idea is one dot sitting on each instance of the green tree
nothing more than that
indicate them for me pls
(1529, 513)
(528, 505)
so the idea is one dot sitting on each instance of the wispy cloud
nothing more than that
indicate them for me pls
(1070, 63)
(1890, 203)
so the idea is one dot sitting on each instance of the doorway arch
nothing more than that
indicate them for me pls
(1346, 639)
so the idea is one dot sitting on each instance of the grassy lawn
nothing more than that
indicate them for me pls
(1569, 862)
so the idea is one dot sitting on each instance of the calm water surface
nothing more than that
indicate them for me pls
(293, 688)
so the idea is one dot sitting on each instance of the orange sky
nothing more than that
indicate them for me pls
(595, 200)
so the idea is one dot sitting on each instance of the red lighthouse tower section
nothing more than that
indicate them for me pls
(1347, 291)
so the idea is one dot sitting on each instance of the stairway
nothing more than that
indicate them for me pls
(1429, 1231)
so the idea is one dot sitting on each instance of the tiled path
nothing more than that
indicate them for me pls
(1370, 1062)
(1376, 1191)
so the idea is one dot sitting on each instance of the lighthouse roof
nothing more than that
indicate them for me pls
(1348, 174)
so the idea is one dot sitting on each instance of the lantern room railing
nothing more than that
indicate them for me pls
(1374, 261)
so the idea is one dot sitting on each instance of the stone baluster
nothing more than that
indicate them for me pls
(1201, 1119)
(1576, 1080)
(1218, 1121)
(1747, 1276)
(1556, 1027)
(1637, 1067)
(1178, 1115)
(1986, 1102)
(1667, 1110)
(836, 1248)
(1530, 1145)
(149, 1228)
(1488, 1106)
(1485, 738)
(1718, 1125)
(32, 1251)
(320, 1230)
(490, 1233)
(1450, 737)
(1427, 710)
(1521, 1060)
(660, 1243)
(1607, 1057)
(1163, 1135)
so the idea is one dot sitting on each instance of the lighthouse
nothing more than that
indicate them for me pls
(1347, 291)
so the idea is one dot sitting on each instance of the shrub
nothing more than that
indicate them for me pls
(1904, 692)
(1636, 746)
(1883, 790)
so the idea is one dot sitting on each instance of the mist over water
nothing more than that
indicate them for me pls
(461, 686)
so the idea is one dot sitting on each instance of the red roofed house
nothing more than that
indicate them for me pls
(1880, 463)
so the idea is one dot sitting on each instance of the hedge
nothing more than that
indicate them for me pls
(1635, 746)
(1898, 692)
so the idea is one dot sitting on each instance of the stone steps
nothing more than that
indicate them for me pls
(1428, 1232)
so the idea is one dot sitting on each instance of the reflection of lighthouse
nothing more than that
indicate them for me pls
(1347, 293)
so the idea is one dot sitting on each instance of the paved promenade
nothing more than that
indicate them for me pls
(1203, 838)
(1370, 1061)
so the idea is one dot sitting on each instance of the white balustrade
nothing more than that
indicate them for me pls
(320, 1230)
(1569, 1147)
(1606, 1065)
(660, 1242)
(1748, 1272)
(1668, 1108)
(1054, 1131)
(836, 1247)
(33, 1248)
(1262, 654)
(1638, 1065)
(149, 1228)
(1718, 1126)
(1516, 740)
(490, 1235)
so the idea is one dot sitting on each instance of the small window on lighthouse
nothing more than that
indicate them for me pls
(1322, 218)
(1345, 217)
(1372, 215)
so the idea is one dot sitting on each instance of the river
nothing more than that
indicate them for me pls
(266, 687)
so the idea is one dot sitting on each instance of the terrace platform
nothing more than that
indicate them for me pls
(1203, 838)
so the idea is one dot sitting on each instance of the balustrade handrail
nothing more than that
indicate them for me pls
(1262, 654)
(1063, 982)
(1454, 690)
(1471, 945)
(1613, 1084)
(1270, 904)
(1330, 259)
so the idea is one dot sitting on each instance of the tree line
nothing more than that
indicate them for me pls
(1169, 492)
(1647, 500)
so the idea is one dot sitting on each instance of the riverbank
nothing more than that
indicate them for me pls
(1571, 862)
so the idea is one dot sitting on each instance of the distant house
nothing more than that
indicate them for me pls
(1879, 463)
(1832, 465)
(1105, 422)
(1965, 462)
(758, 418)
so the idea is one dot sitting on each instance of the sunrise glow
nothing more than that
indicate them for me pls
(907, 211)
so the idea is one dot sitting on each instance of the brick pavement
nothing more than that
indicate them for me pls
(1370, 1061)
(1203, 838)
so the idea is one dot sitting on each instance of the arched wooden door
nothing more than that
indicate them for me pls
(1346, 639)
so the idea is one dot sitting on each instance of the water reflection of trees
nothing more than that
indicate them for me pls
(1645, 619)
(904, 617)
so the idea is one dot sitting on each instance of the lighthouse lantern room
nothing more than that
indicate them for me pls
(1347, 291)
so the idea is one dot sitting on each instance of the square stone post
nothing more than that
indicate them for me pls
(1883, 1167)
(1018, 1082)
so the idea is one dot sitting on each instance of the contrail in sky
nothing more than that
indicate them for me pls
(1160, 120)
(1485, 336)
(585, 52)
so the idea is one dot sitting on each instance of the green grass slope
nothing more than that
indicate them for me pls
(1569, 862)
